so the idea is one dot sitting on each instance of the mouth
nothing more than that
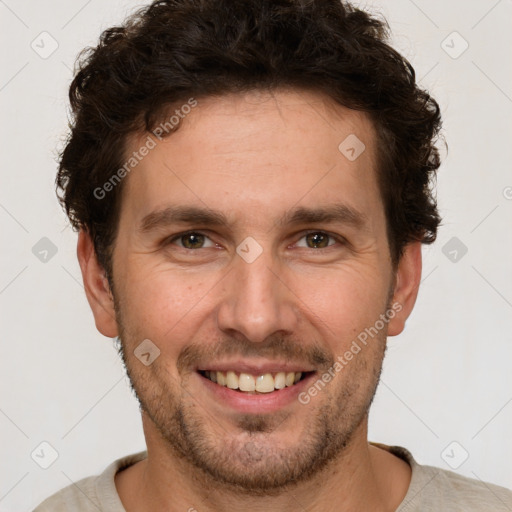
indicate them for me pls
(255, 384)
(255, 387)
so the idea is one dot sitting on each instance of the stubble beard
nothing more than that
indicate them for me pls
(251, 462)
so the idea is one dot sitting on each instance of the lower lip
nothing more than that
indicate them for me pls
(257, 403)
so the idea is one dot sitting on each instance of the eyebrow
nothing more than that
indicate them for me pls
(336, 213)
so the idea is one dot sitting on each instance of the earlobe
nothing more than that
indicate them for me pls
(96, 286)
(407, 283)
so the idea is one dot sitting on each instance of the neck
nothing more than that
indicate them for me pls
(362, 478)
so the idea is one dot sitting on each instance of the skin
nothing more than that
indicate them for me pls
(255, 157)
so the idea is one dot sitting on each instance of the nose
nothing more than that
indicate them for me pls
(256, 300)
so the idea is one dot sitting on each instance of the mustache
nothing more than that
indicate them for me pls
(279, 348)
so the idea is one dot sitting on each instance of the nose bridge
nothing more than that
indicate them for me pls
(255, 301)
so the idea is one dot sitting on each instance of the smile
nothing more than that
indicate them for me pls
(254, 384)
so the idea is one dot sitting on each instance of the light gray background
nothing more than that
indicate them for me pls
(446, 378)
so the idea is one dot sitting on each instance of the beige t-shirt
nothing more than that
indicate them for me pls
(431, 490)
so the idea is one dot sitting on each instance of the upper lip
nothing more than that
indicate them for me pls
(255, 368)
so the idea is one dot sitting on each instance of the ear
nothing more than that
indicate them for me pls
(96, 286)
(408, 277)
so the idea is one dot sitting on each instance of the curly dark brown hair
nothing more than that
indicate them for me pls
(173, 50)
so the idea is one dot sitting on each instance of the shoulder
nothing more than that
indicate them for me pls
(433, 489)
(92, 493)
(79, 496)
(445, 490)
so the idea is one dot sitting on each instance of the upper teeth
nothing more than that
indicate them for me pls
(264, 383)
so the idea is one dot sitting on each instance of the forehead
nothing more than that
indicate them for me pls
(258, 152)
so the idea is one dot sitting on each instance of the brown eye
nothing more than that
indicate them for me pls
(191, 240)
(317, 240)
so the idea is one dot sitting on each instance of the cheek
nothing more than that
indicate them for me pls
(163, 305)
(169, 306)
(342, 302)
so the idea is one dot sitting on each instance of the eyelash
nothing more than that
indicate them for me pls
(339, 239)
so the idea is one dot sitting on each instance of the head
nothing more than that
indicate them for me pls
(293, 146)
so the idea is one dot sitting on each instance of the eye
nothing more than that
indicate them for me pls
(191, 240)
(317, 240)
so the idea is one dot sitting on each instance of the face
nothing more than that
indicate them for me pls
(252, 253)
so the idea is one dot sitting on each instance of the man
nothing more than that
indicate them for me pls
(250, 182)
